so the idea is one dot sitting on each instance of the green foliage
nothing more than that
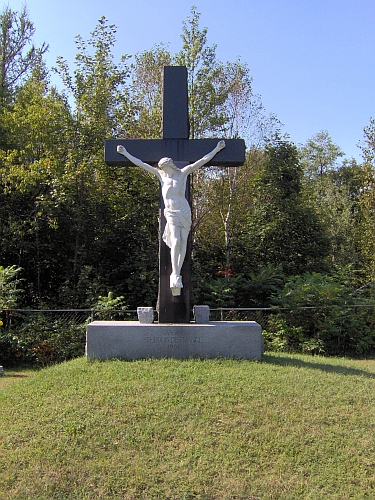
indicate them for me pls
(207, 91)
(98, 86)
(313, 289)
(282, 337)
(320, 154)
(108, 305)
(147, 93)
(40, 341)
(38, 122)
(219, 292)
(282, 174)
(62, 210)
(9, 287)
(368, 145)
(259, 287)
(333, 191)
(109, 302)
(324, 315)
(281, 228)
(366, 205)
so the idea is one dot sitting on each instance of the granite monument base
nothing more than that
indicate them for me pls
(132, 340)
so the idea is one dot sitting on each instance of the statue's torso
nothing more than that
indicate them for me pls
(173, 189)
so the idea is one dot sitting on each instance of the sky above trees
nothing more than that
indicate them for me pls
(311, 60)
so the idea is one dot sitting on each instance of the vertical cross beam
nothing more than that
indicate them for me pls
(175, 103)
(174, 309)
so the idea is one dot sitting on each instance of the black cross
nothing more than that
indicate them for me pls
(176, 145)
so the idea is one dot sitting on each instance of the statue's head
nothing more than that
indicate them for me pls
(167, 162)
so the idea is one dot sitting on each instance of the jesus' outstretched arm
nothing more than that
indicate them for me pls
(206, 158)
(136, 161)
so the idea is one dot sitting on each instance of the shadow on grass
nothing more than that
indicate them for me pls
(285, 360)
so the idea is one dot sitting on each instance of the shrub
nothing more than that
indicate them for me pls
(281, 337)
(41, 341)
(323, 312)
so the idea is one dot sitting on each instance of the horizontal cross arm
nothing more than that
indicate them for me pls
(189, 150)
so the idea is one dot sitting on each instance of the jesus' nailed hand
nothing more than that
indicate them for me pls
(177, 210)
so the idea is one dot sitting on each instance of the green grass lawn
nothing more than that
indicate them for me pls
(288, 427)
(13, 375)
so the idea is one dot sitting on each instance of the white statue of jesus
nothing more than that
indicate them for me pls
(177, 210)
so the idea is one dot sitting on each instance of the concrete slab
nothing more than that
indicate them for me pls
(132, 340)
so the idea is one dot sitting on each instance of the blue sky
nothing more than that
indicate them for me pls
(312, 61)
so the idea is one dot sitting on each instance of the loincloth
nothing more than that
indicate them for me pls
(180, 218)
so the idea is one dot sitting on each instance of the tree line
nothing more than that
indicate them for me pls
(293, 225)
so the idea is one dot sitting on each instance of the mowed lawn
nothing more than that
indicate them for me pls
(287, 427)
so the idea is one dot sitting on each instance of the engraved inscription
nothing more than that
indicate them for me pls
(173, 342)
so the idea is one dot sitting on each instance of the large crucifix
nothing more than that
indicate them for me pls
(175, 214)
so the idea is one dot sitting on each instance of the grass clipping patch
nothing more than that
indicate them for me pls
(285, 428)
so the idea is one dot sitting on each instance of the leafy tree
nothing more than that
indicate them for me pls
(227, 188)
(72, 222)
(320, 154)
(207, 90)
(225, 198)
(221, 101)
(331, 190)
(282, 229)
(98, 89)
(147, 93)
(16, 35)
(98, 86)
(105, 205)
(37, 121)
(245, 115)
(366, 219)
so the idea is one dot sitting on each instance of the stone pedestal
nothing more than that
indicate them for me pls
(201, 314)
(132, 340)
(145, 315)
(1, 371)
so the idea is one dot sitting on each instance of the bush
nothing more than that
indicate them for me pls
(322, 317)
(41, 341)
(281, 337)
